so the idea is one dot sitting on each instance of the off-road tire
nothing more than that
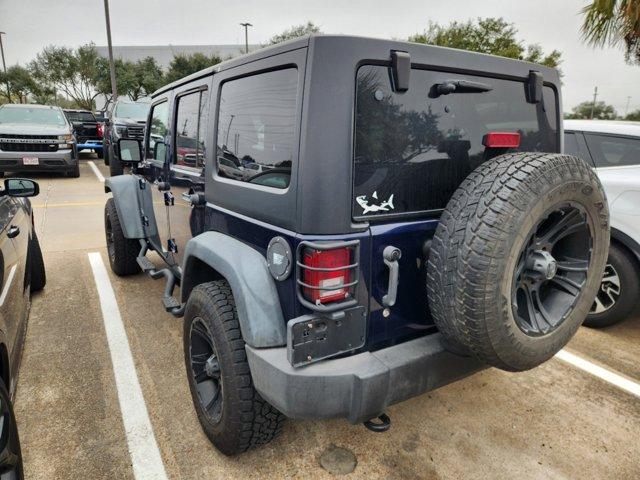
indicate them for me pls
(247, 420)
(626, 266)
(477, 244)
(122, 252)
(38, 276)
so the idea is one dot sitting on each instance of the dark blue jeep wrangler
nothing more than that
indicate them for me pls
(353, 222)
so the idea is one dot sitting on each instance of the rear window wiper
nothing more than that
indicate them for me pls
(458, 86)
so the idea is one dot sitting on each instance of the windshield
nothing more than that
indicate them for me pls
(38, 116)
(134, 111)
(80, 116)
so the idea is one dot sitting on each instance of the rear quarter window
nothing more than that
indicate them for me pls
(413, 149)
(256, 128)
(613, 151)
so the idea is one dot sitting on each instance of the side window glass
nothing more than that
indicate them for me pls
(571, 144)
(256, 138)
(156, 139)
(610, 151)
(191, 127)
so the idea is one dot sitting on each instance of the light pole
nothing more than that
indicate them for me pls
(246, 26)
(112, 67)
(4, 67)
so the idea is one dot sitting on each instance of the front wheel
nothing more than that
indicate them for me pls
(619, 290)
(232, 413)
(99, 152)
(10, 453)
(122, 251)
(75, 171)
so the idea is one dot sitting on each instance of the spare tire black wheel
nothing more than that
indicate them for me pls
(517, 258)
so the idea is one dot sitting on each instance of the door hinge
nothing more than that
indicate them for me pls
(169, 199)
(172, 246)
(145, 219)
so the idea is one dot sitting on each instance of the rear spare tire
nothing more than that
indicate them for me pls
(517, 258)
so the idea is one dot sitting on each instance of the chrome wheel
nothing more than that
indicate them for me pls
(609, 291)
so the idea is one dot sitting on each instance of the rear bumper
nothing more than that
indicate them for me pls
(86, 144)
(358, 387)
(62, 160)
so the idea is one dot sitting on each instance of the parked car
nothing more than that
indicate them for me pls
(36, 138)
(125, 119)
(21, 273)
(419, 224)
(613, 149)
(87, 129)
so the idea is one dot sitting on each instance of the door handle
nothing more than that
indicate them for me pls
(13, 231)
(391, 255)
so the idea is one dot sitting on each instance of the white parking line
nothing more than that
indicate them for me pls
(143, 449)
(96, 171)
(602, 373)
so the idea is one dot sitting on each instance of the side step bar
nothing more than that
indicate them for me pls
(171, 304)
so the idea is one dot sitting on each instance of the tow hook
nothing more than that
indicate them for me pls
(382, 425)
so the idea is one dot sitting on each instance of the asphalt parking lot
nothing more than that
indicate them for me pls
(556, 421)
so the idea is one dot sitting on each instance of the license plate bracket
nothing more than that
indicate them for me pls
(30, 161)
(311, 338)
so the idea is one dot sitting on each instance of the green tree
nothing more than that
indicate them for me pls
(183, 65)
(615, 23)
(134, 79)
(71, 72)
(601, 111)
(21, 85)
(294, 32)
(633, 116)
(494, 36)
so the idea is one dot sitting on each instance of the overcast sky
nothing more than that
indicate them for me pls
(32, 24)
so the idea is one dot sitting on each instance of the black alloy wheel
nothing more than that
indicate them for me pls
(551, 271)
(205, 369)
(108, 228)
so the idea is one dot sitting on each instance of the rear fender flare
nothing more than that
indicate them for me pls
(256, 297)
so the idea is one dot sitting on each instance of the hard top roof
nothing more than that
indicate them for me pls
(603, 126)
(355, 42)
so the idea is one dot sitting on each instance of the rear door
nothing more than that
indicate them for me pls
(412, 151)
(191, 148)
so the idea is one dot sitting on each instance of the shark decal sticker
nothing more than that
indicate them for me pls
(385, 206)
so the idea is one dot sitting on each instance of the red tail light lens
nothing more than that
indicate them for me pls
(100, 130)
(330, 271)
(501, 140)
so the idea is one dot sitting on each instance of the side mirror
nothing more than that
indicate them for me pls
(20, 187)
(129, 150)
(76, 125)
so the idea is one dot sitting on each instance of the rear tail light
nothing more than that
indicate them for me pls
(327, 274)
(100, 130)
(501, 140)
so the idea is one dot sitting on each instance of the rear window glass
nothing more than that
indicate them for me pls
(80, 117)
(610, 151)
(571, 144)
(256, 128)
(413, 149)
